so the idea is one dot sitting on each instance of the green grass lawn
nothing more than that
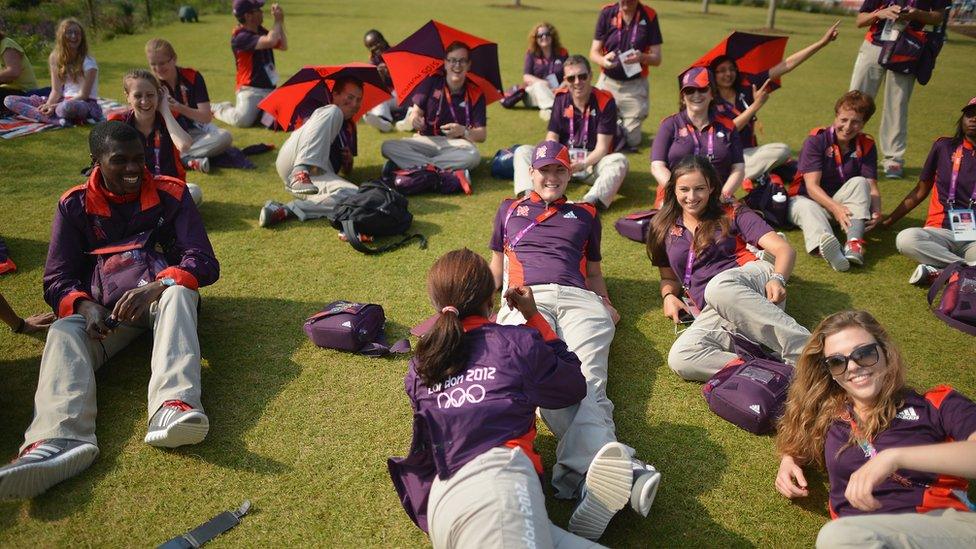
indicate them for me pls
(305, 432)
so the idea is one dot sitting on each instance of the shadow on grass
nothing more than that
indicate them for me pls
(28, 254)
(811, 301)
(226, 217)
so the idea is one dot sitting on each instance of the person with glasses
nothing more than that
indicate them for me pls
(626, 42)
(542, 71)
(698, 129)
(837, 176)
(584, 119)
(190, 101)
(387, 115)
(257, 76)
(710, 277)
(897, 460)
(448, 112)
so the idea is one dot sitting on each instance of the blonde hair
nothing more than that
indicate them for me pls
(815, 401)
(533, 46)
(140, 74)
(159, 44)
(69, 64)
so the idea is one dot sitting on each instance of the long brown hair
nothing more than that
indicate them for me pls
(459, 279)
(69, 63)
(714, 217)
(814, 400)
(533, 46)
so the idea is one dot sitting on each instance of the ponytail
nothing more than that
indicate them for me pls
(442, 353)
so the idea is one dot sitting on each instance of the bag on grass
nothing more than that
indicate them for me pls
(957, 308)
(503, 163)
(374, 210)
(770, 199)
(513, 96)
(636, 225)
(750, 391)
(425, 180)
(353, 327)
(123, 266)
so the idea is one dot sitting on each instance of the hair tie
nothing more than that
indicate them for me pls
(449, 309)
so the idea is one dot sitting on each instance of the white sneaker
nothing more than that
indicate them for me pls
(642, 493)
(545, 114)
(924, 275)
(607, 490)
(831, 251)
(378, 122)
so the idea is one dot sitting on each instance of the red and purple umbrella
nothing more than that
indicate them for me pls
(311, 87)
(753, 53)
(422, 54)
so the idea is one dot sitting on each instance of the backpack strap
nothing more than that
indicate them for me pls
(353, 239)
(938, 285)
(380, 348)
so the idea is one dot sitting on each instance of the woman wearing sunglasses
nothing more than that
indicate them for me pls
(699, 245)
(698, 129)
(896, 459)
(543, 68)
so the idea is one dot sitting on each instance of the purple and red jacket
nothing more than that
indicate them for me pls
(511, 371)
(90, 217)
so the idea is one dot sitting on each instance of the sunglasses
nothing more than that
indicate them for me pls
(572, 78)
(543, 34)
(690, 91)
(864, 356)
(455, 62)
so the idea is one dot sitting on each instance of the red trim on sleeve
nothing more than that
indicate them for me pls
(67, 305)
(833, 514)
(940, 496)
(183, 278)
(526, 443)
(539, 323)
(937, 394)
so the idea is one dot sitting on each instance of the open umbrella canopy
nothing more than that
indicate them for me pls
(422, 54)
(753, 53)
(311, 87)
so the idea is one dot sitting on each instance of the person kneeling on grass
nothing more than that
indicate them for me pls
(120, 203)
(552, 246)
(468, 486)
(897, 460)
(311, 159)
(699, 245)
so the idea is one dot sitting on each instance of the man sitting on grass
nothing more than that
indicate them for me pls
(134, 215)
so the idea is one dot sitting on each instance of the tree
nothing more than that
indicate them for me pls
(771, 15)
(704, 6)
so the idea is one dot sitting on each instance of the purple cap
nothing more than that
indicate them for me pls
(972, 103)
(695, 77)
(243, 6)
(550, 152)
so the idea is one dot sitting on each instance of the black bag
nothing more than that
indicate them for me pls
(768, 195)
(374, 210)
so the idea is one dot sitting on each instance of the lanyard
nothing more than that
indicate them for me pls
(512, 242)
(870, 451)
(689, 264)
(711, 140)
(583, 138)
(635, 25)
(954, 179)
(450, 105)
(838, 157)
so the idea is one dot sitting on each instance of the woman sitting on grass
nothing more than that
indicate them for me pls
(896, 459)
(74, 82)
(543, 68)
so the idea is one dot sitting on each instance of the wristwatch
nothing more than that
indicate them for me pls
(168, 281)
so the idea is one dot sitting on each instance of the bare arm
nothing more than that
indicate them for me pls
(660, 171)
(57, 84)
(180, 138)
(529, 79)
(907, 204)
(603, 142)
(497, 266)
(734, 180)
(797, 59)
(875, 204)
(867, 19)
(199, 114)
(671, 302)
(785, 258)
(476, 135)
(276, 36)
(12, 60)
(653, 56)
(759, 97)
(552, 136)
(597, 56)
(87, 84)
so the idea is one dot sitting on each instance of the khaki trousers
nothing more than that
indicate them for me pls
(814, 220)
(539, 95)
(867, 77)
(605, 178)
(208, 140)
(495, 501)
(934, 246)
(65, 403)
(736, 301)
(632, 101)
(945, 528)
(420, 150)
(245, 113)
(761, 159)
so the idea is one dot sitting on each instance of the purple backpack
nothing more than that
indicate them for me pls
(750, 391)
(353, 327)
(123, 266)
(635, 226)
(957, 308)
(426, 179)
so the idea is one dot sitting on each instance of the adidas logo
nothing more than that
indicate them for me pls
(570, 215)
(908, 414)
(347, 324)
(756, 408)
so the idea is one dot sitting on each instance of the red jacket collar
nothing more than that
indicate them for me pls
(473, 322)
(534, 197)
(98, 198)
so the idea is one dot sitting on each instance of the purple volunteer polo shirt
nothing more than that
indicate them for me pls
(254, 67)
(743, 100)
(819, 154)
(554, 251)
(510, 371)
(677, 137)
(347, 139)
(725, 252)
(440, 106)
(191, 90)
(940, 415)
(600, 110)
(938, 168)
(642, 33)
(541, 66)
(874, 32)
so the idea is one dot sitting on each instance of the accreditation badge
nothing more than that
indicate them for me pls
(963, 225)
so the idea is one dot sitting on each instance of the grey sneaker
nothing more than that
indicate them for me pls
(894, 171)
(301, 183)
(924, 275)
(176, 423)
(646, 481)
(199, 164)
(854, 251)
(272, 213)
(609, 481)
(831, 251)
(44, 464)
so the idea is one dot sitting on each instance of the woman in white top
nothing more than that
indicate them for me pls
(74, 82)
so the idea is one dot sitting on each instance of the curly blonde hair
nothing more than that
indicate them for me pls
(814, 401)
(67, 62)
(533, 46)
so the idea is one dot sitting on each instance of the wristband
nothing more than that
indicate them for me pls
(778, 277)
(665, 296)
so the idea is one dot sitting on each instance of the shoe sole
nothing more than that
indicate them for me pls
(180, 433)
(919, 276)
(644, 491)
(32, 479)
(830, 248)
(311, 190)
(855, 260)
(608, 489)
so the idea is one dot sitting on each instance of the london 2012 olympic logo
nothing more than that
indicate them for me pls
(460, 396)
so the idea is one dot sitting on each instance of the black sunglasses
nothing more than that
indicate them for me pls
(582, 77)
(864, 356)
(543, 34)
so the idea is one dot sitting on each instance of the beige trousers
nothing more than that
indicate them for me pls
(867, 77)
(814, 220)
(245, 113)
(605, 178)
(539, 95)
(632, 98)
(65, 403)
(761, 159)
(420, 150)
(935, 247)
(208, 140)
(942, 529)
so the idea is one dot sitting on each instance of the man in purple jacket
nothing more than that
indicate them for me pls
(120, 202)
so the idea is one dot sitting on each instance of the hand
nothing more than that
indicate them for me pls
(863, 481)
(419, 122)
(46, 110)
(38, 323)
(891, 12)
(775, 291)
(577, 167)
(673, 306)
(634, 57)
(614, 315)
(884, 223)
(831, 34)
(346, 164)
(135, 302)
(790, 480)
(761, 94)
(907, 14)
(873, 222)
(520, 297)
(842, 215)
(609, 60)
(95, 316)
(453, 130)
(728, 196)
(277, 13)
